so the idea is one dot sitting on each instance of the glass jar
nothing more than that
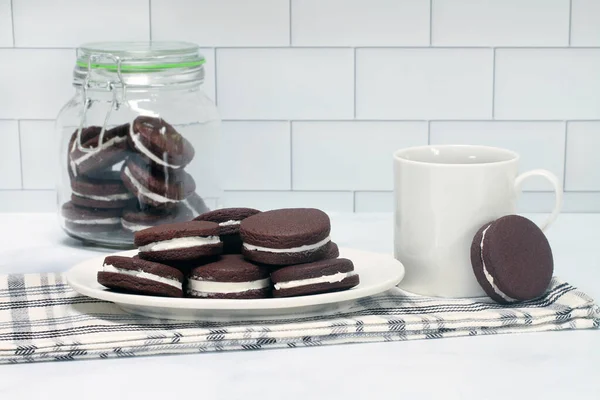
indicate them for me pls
(139, 141)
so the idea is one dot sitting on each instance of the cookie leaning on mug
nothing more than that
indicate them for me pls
(512, 259)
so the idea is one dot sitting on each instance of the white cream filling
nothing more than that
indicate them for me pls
(187, 204)
(142, 274)
(204, 288)
(142, 191)
(180, 243)
(123, 196)
(487, 274)
(108, 143)
(337, 277)
(230, 223)
(135, 137)
(102, 221)
(133, 226)
(306, 247)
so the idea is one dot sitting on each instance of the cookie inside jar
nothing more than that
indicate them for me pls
(139, 141)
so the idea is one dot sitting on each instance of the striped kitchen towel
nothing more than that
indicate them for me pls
(42, 319)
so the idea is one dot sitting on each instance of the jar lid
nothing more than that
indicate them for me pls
(139, 63)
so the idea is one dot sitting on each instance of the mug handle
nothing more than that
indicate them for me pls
(558, 192)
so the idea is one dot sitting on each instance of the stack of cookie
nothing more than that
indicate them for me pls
(238, 253)
(151, 188)
(295, 244)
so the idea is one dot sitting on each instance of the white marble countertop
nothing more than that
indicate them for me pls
(552, 365)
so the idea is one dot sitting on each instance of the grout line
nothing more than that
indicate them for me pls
(27, 190)
(150, 17)
(549, 191)
(291, 133)
(463, 47)
(503, 120)
(430, 22)
(494, 83)
(404, 120)
(324, 120)
(26, 119)
(428, 132)
(354, 83)
(363, 120)
(20, 153)
(570, 20)
(374, 191)
(215, 76)
(416, 47)
(564, 183)
(290, 21)
(37, 48)
(288, 191)
(12, 22)
(574, 192)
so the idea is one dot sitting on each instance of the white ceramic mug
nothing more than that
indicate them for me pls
(443, 195)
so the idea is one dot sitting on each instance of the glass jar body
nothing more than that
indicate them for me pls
(117, 147)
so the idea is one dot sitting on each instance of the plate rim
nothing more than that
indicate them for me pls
(282, 303)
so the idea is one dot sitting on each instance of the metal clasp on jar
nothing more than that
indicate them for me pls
(112, 86)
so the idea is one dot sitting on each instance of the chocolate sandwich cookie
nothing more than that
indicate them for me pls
(286, 236)
(89, 220)
(158, 142)
(154, 187)
(230, 277)
(97, 150)
(229, 220)
(319, 277)
(182, 241)
(512, 259)
(331, 252)
(104, 190)
(135, 219)
(137, 276)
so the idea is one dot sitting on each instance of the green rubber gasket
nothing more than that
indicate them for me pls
(135, 68)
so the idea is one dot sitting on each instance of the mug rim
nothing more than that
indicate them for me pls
(398, 155)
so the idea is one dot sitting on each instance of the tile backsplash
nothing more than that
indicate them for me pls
(316, 94)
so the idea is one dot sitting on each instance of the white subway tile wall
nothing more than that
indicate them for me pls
(285, 83)
(316, 94)
(68, 23)
(583, 170)
(6, 36)
(222, 23)
(35, 83)
(39, 154)
(257, 155)
(585, 23)
(360, 23)
(424, 83)
(265, 200)
(547, 84)
(10, 162)
(500, 23)
(353, 155)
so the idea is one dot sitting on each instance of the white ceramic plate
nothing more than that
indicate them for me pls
(378, 273)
